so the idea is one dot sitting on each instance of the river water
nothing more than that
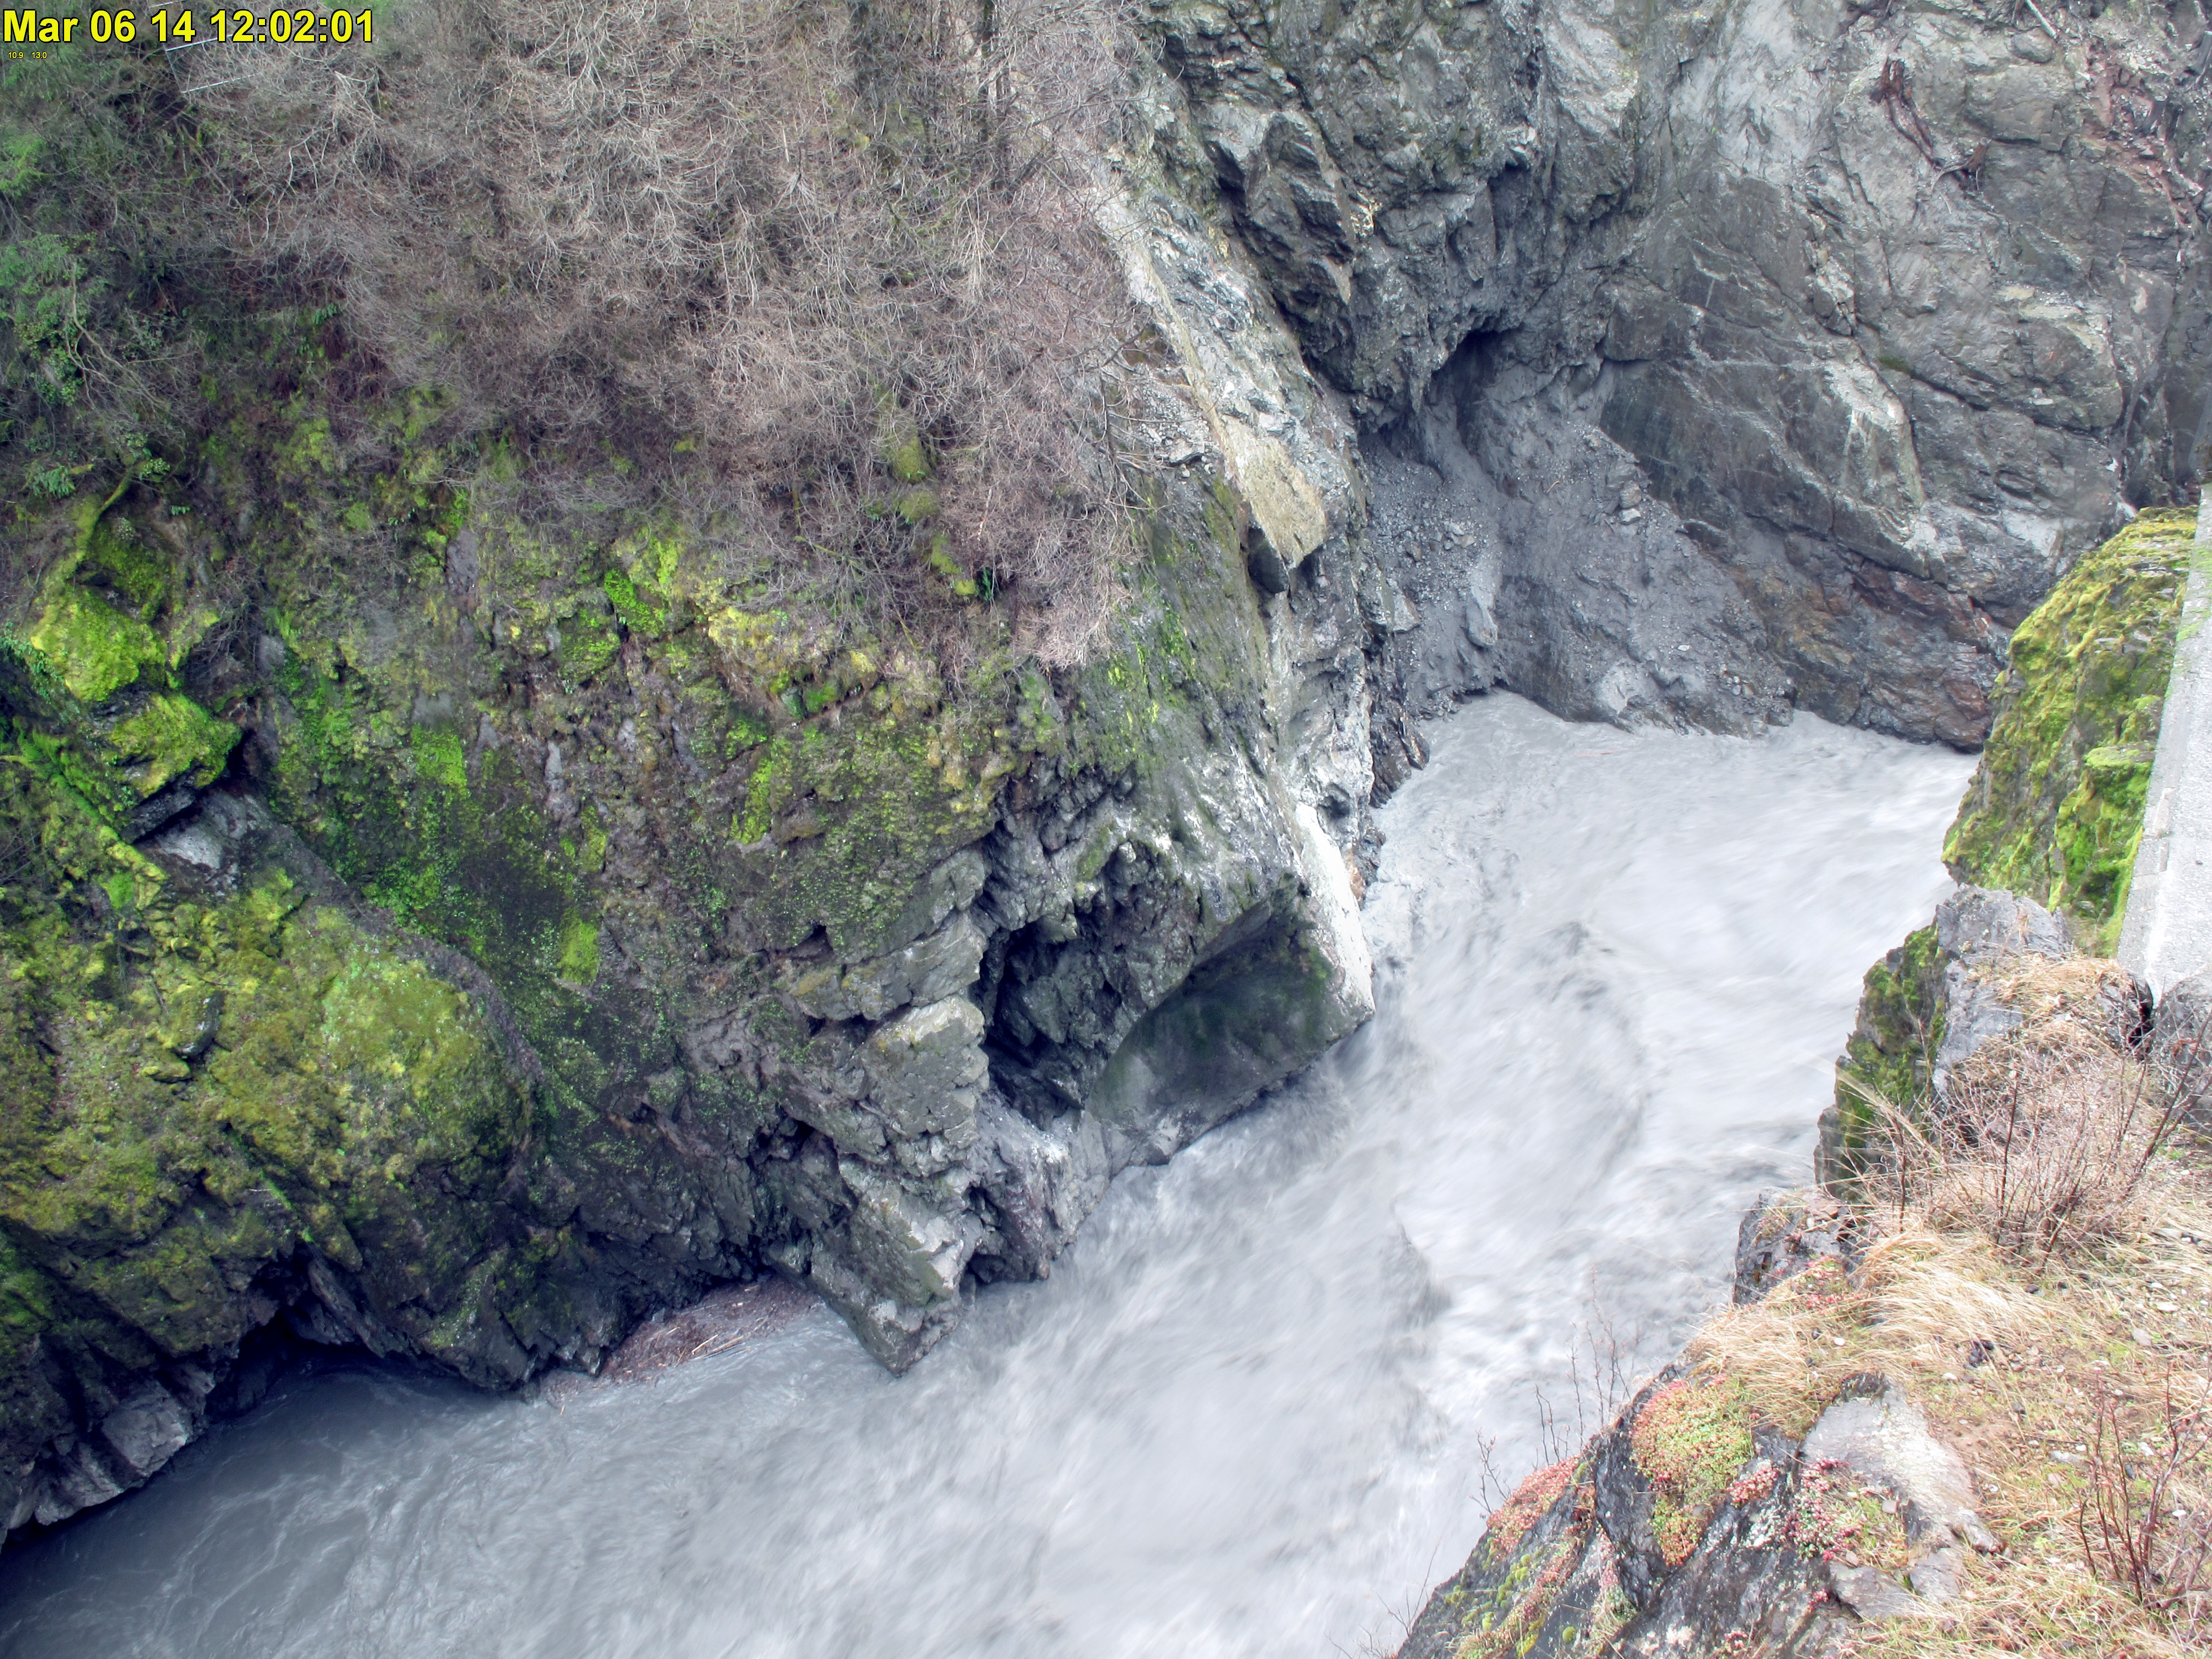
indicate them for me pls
(1246, 1415)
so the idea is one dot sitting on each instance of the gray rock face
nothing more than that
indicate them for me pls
(1784, 1235)
(1882, 317)
(1936, 1000)
(1978, 927)
(2182, 1028)
(1122, 960)
(1881, 1437)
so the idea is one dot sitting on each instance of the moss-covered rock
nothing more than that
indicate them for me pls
(459, 892)
(1689, 1440)
(212, 1094)
(1668, 1532)
(2055, 810)
(1925, 1008)
(1891, 1055)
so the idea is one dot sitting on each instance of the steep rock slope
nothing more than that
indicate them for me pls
(1724, 355)
(1920, 1427)
(432, 929)
(540, 962)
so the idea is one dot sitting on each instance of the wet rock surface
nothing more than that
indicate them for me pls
(723, 1320)
(1786, 1234)
(1930, 1004)
(1828, 337)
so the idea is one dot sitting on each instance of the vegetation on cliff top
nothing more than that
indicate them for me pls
(2034, 1263)
(821, 277)
(2055, 810)
(2032, 1268)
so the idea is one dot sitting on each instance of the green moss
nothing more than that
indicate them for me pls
(588, 643)
(127, 567)
(767, 788)
(905, 454)
(579, 951)
(440, 758)
(956, 575)
(1891, 1054)
(172, 738)
(309, 449)
(2055, 810)
(474, 867)
(1689, 1440)
(353, 1099)
(637, 616)
(97, 649)
(747, 730)
(653, 556)
(593, 855)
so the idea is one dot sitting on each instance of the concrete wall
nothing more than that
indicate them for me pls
(2166, 934)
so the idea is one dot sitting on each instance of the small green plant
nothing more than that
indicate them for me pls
(1689, 1440)
(1530, 1499)
(44, 286)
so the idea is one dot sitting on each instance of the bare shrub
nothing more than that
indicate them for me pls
(1916, 1289)
(2045, 1138)
(2025, 1259)
(846, 249)
(1602, 1376)
(2145, 1515)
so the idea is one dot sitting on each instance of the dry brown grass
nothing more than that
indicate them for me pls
(819, 241)
(2037, 1271)
(2049, 1139)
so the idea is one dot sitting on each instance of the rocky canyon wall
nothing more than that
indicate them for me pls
(531, 934)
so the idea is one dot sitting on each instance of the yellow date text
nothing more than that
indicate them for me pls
(175, 27)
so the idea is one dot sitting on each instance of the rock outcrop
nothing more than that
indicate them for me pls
(1686, 1527)
(2055, 810)
(1719, 358)
(1931, 1004)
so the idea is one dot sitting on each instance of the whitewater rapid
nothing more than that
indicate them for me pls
(1246, 1414)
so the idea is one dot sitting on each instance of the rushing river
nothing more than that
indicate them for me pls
(1245, 1416)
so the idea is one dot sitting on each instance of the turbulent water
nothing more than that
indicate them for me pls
(1246, 1414)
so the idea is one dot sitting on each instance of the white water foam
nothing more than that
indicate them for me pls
(1243, 1417)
